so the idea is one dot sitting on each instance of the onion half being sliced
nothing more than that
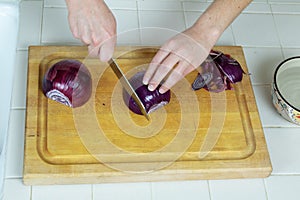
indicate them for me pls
(152, 100)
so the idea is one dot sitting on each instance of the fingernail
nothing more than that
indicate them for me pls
(151, 87)
(145, 81)
(161, 90)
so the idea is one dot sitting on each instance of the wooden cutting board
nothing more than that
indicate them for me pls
(198, 135)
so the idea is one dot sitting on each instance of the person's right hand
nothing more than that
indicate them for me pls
(93, 23)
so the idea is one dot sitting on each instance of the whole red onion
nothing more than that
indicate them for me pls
(68, 82)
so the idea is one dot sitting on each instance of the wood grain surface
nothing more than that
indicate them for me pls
(198, 135)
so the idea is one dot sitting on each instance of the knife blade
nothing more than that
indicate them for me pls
(127, 86)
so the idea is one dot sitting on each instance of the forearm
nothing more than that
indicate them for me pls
(93, 5)
(218, 16)
(79, 4)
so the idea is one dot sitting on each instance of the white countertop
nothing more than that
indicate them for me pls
(269, 32)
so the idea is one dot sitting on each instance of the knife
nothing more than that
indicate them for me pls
(127, 86)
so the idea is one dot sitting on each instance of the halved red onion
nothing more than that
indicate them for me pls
(68, 82)
(152, 100)
(222, 69)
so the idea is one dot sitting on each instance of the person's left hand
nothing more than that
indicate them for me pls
(184, 52)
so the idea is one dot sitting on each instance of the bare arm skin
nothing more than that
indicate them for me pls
(186, 51)
(93, 23)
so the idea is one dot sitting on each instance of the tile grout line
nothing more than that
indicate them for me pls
(286, 174)
(151, 190)
(31, 193)
(265, 187)
(18, 108)
(280, 126)
(209, 189)
(92, 191)
(184, 15)
(233, 35)
(139, 22)
(41, 22)
(277, 32)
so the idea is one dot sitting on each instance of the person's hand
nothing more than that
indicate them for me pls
(93, 23)
(186, 51)
(175, 59)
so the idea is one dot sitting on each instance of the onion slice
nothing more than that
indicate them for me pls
(219, 71)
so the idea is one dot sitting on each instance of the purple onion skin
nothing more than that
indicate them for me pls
(152, 100)
(224, 71)
(68, 82)
(230, 67)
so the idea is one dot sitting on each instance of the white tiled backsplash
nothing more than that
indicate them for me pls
(269, 32)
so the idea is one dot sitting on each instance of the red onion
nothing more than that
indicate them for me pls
(218, 73)
(68, 82)
(152, 100)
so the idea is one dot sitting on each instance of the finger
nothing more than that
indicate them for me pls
(181, 70)
(156, 60)
(93, 50)
(162, 71)
(107, 49)
(96, 39)
(98, 35)
(73, 27)
(74, 30)
(84, 33)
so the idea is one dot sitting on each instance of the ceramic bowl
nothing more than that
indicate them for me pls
(286, 89)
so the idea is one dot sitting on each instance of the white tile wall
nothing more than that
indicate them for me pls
(195, 6)
(248, 189)
(290, 52)
(20, 83)
(269, 32)
(283, 150)
(57, 31)
(288, 30)
(30, 23)
(283, 187)
(286, 9)
(192, 190)
(15, 146)
(54, 3)
(62, 192)
(162, 25)
(160, 5)
(127, 27)
(116, 191)
(15, 190)
(258, 8)
(261, 62)
(255, 30)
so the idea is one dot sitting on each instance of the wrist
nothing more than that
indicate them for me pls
(207, 34)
